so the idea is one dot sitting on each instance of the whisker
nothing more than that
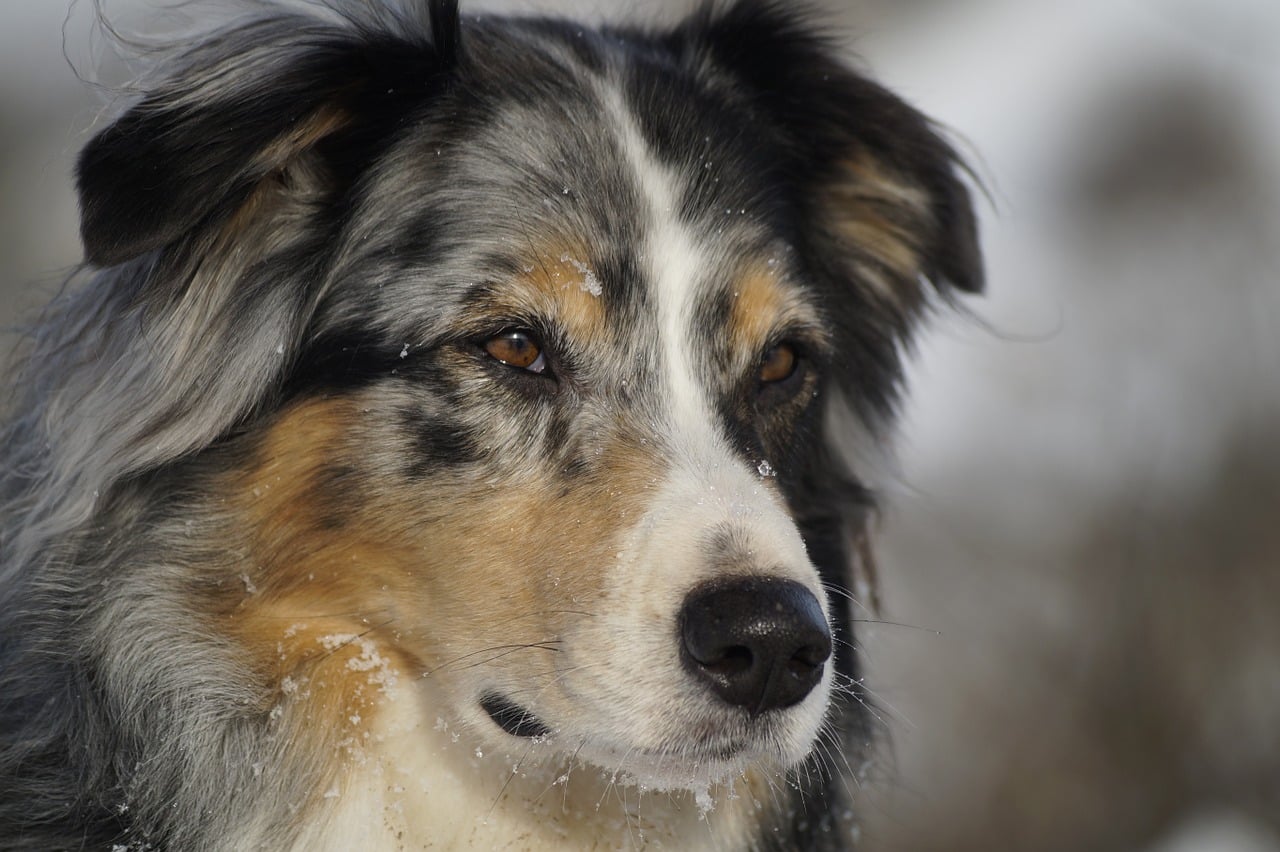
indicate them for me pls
(840, 591)
(497, 651)
(895, 624)
(856, 689)
(514, 770)
(355, 637)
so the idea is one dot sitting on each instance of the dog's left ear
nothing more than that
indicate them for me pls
(883, 188)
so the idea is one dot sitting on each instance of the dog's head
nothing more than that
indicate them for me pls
(535, 348)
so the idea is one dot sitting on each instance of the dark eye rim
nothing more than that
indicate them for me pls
(516, 334)
(480, 343)
(768, 351)
(800, 368)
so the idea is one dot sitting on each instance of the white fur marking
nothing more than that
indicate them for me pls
(675, 263)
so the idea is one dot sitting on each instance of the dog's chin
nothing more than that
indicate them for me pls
(712, 752)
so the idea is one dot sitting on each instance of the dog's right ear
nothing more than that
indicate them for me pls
(240, 107)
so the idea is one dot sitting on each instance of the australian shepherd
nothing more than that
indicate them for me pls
(457, 438)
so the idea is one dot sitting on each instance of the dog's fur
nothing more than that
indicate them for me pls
(292, 560)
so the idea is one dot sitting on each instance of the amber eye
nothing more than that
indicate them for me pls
(517, 349)
(778, 363)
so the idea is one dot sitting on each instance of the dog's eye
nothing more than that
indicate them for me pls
(778, 364)
(517, 349)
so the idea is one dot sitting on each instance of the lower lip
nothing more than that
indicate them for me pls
(512, 718)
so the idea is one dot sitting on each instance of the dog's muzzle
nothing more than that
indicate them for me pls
(759, 643)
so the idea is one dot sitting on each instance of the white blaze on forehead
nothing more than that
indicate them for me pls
(675, 262)
(709, 482)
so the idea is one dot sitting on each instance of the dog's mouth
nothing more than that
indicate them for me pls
(705, 751)
(521, 722)
(512, 718)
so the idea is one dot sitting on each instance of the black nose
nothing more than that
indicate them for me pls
(757, 642)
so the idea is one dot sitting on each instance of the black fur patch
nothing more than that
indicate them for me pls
(439, 442)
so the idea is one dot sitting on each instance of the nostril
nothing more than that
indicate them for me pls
(810, 656)
(756, 642)
(729, 661)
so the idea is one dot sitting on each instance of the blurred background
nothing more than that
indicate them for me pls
(1081, 558)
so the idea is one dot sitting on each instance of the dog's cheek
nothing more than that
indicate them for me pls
(538, 558)
(491, 539)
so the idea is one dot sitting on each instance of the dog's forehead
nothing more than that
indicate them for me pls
(601, 201)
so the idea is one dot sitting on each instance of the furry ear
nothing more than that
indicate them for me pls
(241, 106)
(885, 210)
(882, 182)
(213, 202)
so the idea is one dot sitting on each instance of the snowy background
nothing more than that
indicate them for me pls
(1083, 548)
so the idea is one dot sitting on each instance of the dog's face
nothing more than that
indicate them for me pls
(560, 444)
(557, 333)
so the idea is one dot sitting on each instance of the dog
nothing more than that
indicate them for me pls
(457, 438)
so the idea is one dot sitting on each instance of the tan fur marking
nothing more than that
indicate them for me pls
(457, 574)
(876, 183)
(530, 553)
(760, 300)
(765, 304)
(563, 286)
(882, 217)
(314, 615)
(289, 176)
(306, 133)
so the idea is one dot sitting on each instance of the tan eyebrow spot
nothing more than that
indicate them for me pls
(560, 282)
(764, 303)
(759, 300)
